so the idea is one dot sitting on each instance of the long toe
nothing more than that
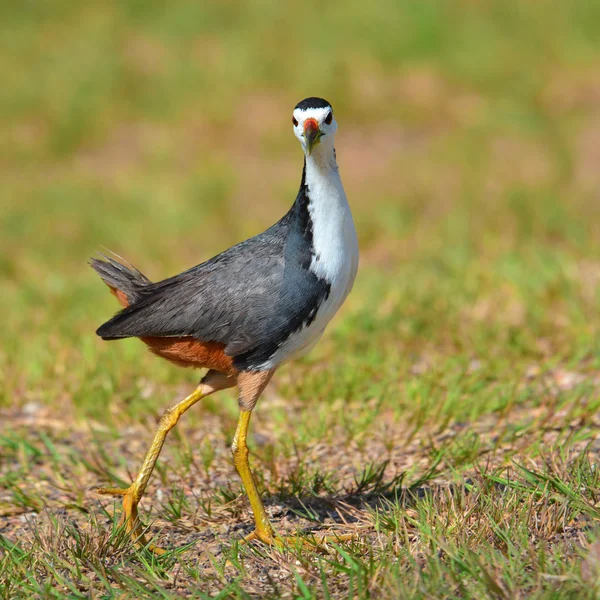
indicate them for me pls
(318, 542)
(327, 540)
(268, 538)
(111, 491)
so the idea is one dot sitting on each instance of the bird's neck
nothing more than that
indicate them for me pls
(321, 182)
(322, 185)
(322, 216)
(322, 160)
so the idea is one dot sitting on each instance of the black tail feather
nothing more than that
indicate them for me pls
(119, 276)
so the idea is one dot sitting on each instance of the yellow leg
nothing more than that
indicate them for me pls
(133, 494)
(264, 531)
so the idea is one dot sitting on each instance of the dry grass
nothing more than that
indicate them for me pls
(466, 501)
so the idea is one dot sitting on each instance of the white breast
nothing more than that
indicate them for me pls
(336, 255)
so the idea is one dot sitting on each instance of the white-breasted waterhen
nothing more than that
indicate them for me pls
(248, 310)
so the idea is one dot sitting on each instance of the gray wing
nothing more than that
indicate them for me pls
(248, 298)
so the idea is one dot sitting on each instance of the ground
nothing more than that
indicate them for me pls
(449, 417)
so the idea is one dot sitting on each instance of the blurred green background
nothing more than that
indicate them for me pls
(469, 146)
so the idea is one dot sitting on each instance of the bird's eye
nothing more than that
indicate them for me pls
(329, 118)
(295, 121)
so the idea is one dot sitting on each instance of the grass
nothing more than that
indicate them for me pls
(449, 417)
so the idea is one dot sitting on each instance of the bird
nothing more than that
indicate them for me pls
(248, 310)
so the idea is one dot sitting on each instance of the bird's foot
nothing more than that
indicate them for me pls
(282, 542)
(130, 518)
(265, 536)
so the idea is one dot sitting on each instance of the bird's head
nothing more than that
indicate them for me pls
(314, 124)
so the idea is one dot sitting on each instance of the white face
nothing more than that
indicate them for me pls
(303, 121)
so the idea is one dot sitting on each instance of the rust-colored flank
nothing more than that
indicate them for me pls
(186, 351)
(190, 352)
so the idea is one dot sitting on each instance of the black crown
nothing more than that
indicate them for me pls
(312, 103)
